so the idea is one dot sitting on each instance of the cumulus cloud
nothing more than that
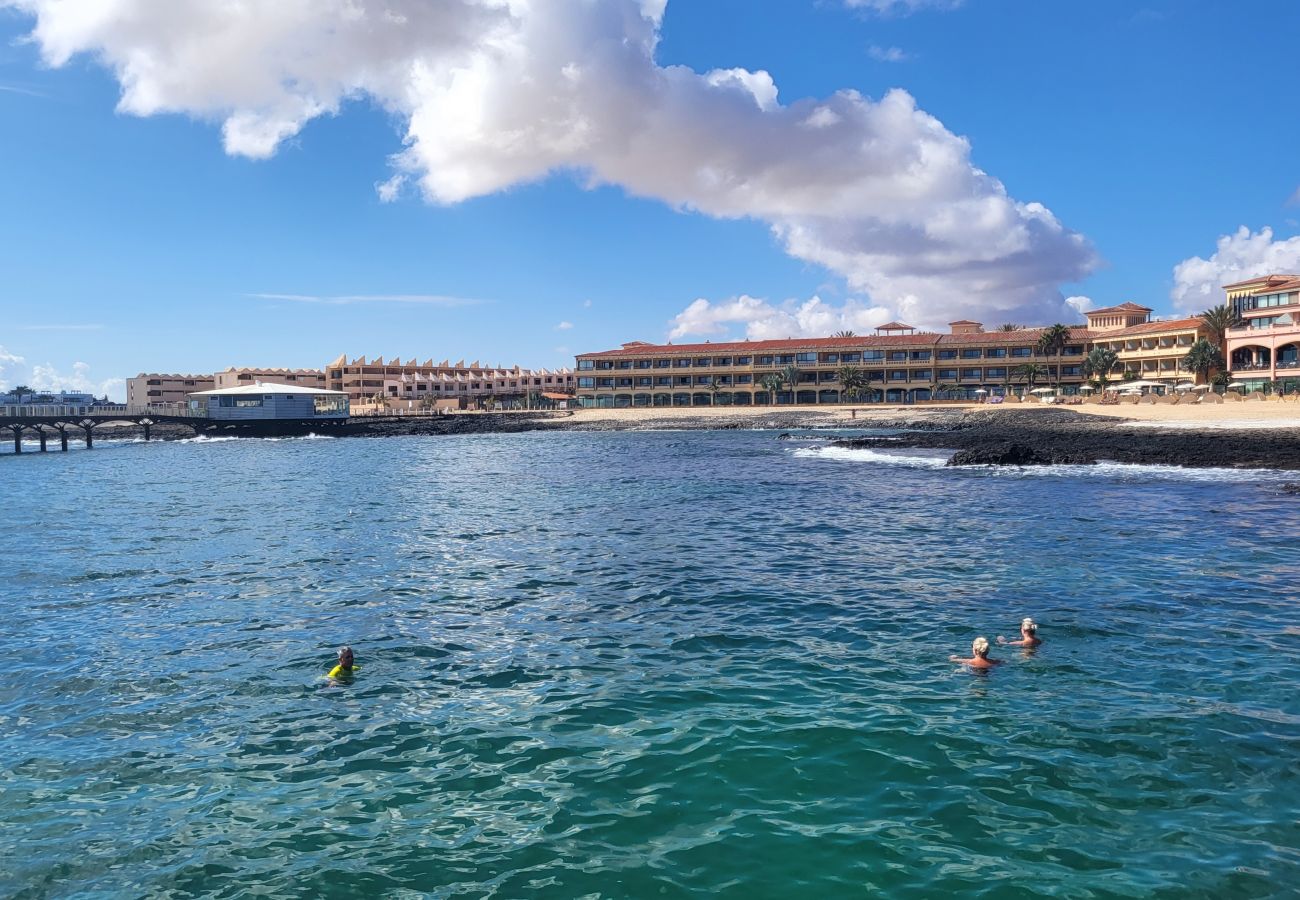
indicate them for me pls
(497, 93)
(12, 368)
(1079, 303)
(887, 54)
(564, 326)
(1238, 256)
(760, 319)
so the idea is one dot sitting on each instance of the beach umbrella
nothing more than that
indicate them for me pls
(1238, 385)
(1087, 388)
(1043, 391)
(1185, 386)
(1200, 387)
(980, 391)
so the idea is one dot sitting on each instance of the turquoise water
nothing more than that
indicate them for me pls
(640, 665)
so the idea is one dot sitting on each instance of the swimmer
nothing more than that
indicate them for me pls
(346, 667)
(1028, 635)
(979, 649)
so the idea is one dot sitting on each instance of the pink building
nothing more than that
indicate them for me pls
(1267, 345)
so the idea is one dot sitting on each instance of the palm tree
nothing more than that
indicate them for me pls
(852, 382)
(1052, 343)
(1010, 327)
(946, 389)
(1218, 319)
(771, 382)
(1029, 373)
(844, 333)
(1099, 362)
(790, 375)
(714, 387)
(1201, 358)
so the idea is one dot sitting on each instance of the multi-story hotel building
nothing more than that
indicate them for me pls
(412, 385)
(147, 389)
(1147, 350)
(904, 364)
(232, 377)
(1266, 347)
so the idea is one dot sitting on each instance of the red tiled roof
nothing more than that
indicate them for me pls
(1153, 328)
(1263, 278)
(965, 322)
(1279, 286)
(787, 345)
(1123, 307)
(1023, 336)
(892, 326)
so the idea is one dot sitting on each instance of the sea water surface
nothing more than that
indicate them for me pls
(641, 665)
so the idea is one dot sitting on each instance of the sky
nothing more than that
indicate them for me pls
(188, 185)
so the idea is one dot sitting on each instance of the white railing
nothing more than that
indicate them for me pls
(110, 411)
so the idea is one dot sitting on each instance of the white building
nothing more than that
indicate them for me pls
(272, 403)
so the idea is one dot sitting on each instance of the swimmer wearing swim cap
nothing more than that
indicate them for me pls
(346, 667)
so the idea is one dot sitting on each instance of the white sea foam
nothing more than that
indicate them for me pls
(937, 459)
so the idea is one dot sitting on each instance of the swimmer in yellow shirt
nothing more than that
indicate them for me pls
(347, 666)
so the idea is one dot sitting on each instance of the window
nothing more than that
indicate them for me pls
(921, 375)
(851, 357)
(1071, 370)
(947, 374)
(663, 363)
(897, 374)
(997, 372)
(898, 356)
(873, 356)
(623, 364)
(970, 354)
(722, 360)
(970, 373)
(704, 379)
(683, 363)
(744, 360)
(682, 381)
(830, 376)
(586, 365)
(785, 359)
(154, 381)
(155, 393)
(702, 362)
(643, 382)
(1021, 352)
(744, 379)
(805, 357)
(947, 354)
(830, 358)
(604, 364)
(996, 353)
(664, 381)
(765, 360)
(920, 355)
(600, 382)
(639, 364)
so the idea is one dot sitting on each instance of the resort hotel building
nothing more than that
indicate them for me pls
(1266, 346)
(152, 389)
(1147, 350)
(901, 363)
(414, 385)
(232, 377)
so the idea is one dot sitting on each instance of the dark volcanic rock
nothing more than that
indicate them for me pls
(1291, 487)
(1006, 453)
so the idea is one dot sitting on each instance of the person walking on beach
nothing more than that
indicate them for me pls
(979, 649)
(342, 673)
(1028, 635)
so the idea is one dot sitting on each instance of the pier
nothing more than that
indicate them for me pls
(47, 421)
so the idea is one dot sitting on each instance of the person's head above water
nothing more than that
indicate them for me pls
(1028, 626)
(980, 647)
(346, 657)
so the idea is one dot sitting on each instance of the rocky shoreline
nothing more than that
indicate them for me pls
(1059, 436)
(977, 437)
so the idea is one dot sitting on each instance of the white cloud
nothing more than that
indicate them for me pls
(901, 7)
(564, 326)
(1079, 303)
(1238, 256)
(12, 369)
(498, 93)
(389, 190)
(759, 319)
(887, 54)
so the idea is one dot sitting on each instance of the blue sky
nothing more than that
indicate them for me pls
(162, 242)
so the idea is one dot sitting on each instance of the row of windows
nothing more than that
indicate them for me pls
(796, 359)
(991, 373)
(1267, 301)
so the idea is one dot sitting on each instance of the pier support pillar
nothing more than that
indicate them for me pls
(40, 432)
(90, 438)
(18, 437)
(63, 439)
(145, 425)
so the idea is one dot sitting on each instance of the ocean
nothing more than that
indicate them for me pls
(613, 665)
